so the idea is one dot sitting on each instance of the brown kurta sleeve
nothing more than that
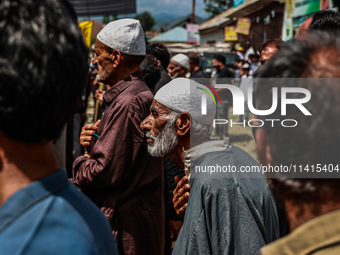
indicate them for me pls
(115, 151)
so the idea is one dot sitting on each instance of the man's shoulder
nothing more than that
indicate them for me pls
(233, 155)
(165, 79)
(226, 73)
(137, 90)
(66, 220)
(80, 210)
(199, 74)
(318, 229)
(227, 169)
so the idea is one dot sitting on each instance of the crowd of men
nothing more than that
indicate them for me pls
(142, 182)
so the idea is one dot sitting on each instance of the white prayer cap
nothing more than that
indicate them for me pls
(125, 35)
(184, 95)
(182, 60)
(246, 66)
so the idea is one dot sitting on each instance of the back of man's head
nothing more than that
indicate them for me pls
(43, 66)
(160, 52)
(194, 58)
(325, 20)
(315, 139)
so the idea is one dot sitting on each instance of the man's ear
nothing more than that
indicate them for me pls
(116, 58)
(263, 147)
(183, 124)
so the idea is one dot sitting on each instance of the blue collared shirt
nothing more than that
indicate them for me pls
(51, 216)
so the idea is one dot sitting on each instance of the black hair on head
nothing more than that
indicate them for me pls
(43, 67)
(220, 58)
(160, 52)
(325, 20)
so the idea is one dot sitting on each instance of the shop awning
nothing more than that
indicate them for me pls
(242, 10)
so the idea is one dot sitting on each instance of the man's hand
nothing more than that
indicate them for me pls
(99, 94)
(86, 135)
(181, 196)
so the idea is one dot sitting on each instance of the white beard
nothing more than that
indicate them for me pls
(165, 142)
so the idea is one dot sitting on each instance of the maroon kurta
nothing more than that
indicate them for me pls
(121, 177)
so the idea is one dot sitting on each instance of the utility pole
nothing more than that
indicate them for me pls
(193, 12)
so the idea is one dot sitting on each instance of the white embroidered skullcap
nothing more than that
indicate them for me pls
(182, 60)
(184, 95)
(125, 35)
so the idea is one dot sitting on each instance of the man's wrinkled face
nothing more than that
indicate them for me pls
(103, 63)
(174, 69)
(160, 130)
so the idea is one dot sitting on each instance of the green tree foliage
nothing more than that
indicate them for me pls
(215, 7)
(107, 19)
(146, 20)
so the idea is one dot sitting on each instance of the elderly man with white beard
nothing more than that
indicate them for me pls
(227, 213)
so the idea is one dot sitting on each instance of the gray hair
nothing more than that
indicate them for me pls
(173, 116)
(199, 131)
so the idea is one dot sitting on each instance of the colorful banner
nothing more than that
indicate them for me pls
(230, 34)
(238, 2)
(290, 8)
(86, 28)
(299, 8)
(243, 26)
(193, 35)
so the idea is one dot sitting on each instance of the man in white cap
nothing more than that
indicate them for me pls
(116, 172)
(178, 66)
(225, 214)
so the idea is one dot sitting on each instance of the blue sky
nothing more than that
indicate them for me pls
(173, 7)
